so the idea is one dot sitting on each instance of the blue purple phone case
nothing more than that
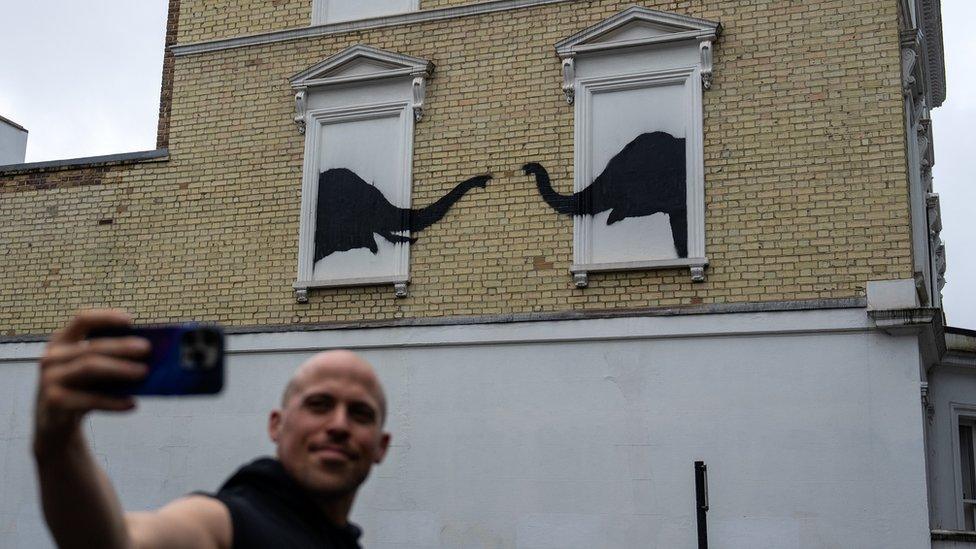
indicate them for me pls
(186, 359)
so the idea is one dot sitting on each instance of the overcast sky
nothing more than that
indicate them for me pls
(83, 77)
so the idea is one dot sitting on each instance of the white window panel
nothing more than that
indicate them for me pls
(357, 110)
(637, 80)
(964, 457)
(613, 112)
(370, 142)
(335, 11)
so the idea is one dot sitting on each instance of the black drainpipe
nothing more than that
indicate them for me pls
(701, 493)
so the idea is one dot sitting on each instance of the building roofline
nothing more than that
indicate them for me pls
(931, 23)
(960, 331)
(86, 162)
(960, 342)
(12, 123)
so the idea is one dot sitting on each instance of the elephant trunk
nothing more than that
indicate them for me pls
(564, 204)
(420, 219)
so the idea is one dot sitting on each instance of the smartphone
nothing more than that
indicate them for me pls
(186, 359)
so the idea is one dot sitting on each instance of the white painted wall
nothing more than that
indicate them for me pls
(948, 386)
(564, 434)
(13, 144)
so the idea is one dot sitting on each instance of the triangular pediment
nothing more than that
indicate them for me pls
(358, 63)
(635, 30)
(638, 26)
(359, 67)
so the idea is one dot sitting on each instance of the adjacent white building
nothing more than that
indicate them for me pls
(13, 142)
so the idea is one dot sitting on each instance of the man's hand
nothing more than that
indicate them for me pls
(81, 507)
(71, 370)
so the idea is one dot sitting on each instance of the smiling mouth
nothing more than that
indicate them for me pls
(332, 453)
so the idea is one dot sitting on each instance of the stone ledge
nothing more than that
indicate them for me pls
(706, 309)
(157, 155)
(412, 17)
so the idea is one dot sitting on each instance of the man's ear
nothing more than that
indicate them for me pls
(274, 425)
(384, 446)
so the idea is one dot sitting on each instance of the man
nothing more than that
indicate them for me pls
(328, 433)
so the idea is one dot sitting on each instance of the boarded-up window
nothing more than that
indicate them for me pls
(357, 110)
(636, 80)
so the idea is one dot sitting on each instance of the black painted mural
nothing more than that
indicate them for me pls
(350, 212)
(646, 177)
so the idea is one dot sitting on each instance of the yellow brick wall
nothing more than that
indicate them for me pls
(806, 193)
(202, 20)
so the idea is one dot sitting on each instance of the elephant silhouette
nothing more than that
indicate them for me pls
(350, 212)
(646, 177)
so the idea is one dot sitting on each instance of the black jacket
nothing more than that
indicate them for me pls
(269, 509)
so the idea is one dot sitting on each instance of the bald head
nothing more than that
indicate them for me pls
(329, 430)
(337, 363)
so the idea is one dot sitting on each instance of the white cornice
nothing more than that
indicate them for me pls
(332, 72)
(362, 24)
(675, 27)
(638, 27)
(324, 72)
(934, 50)
(803, 322)
(921, 32)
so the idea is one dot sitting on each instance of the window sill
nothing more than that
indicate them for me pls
(695, 264)
(953, 535)
(640, 265)
(303, 286)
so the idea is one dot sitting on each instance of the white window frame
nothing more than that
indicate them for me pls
(394, 86)
(690, 78)
(664, 34)
(965, 414)
(320, 11)
(310, 182)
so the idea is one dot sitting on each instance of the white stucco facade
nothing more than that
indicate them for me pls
(562, 434)
(951, 401)
(13, 142)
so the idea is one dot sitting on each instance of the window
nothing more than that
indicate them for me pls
(636, 80)
(965, 456)
(335, 11)
(357, 110)
(967, 473)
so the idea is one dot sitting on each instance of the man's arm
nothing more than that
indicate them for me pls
(80, 505)
(191, 522)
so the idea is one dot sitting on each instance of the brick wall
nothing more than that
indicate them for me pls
(209, 20)
(166, 85)
(806, 192)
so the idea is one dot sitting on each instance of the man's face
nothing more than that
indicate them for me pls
(329, 430)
